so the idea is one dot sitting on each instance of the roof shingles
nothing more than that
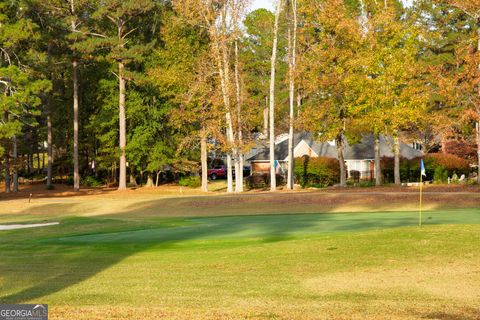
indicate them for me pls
(360, 151)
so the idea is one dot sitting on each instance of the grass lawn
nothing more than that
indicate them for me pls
(131, 263)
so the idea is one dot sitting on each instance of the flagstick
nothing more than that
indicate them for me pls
(420, 212)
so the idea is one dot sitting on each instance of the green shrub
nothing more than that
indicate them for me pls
(69, 181)
(367, 184)
(445, 165)
(409, 170)
(321, 171)
(388, 169)
(260, 180)
(471, 182)
(438, 167)
(190, 181)
(438, 175)
(90, 181)
(257, 180)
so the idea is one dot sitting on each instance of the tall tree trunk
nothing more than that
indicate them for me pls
(29, 163)
(132, 178)
(363, 17)
(265, 118)
(443, 143)
(122, 183)
(76, 174)
(239, 154)
(478, 150)
(299, 103)
(478, 111)
(229, 173)
(241, 162)
(30, 158)
(49, 148)
(149, 180)
(7, 172)
(340, 143)
(7, 162)
(226, 94)
(291, 75)
(236, 165)
(204, 160)
(15, 165)
(40, 168)
(378, 169)
(113, 172)
(222, 60)
(396, 153)
(230, 135)
(273, 178)
(49, 127)
(133, 181)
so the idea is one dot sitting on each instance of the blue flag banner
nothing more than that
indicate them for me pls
(422, 174)
(276, 165)
(422, 168)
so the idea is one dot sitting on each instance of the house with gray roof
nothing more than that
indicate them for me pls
(358, 156)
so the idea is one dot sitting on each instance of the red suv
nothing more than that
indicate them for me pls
(217, 172)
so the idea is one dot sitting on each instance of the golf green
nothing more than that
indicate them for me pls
(276, 226)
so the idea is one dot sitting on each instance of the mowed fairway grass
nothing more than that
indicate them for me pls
(139, 265)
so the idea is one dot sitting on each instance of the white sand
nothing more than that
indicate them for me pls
(23, 226)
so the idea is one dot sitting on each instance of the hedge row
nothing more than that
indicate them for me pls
(438, 167)
(317, 172)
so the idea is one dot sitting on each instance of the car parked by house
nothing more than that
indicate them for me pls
(220, 172)
(216, 172)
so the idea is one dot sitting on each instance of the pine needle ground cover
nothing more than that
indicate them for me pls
(138, 265)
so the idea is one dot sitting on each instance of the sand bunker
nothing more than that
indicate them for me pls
(23, 226)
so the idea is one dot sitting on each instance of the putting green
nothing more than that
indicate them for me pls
(277, 226)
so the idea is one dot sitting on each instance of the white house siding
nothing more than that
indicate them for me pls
(360, 165)
(303, 149)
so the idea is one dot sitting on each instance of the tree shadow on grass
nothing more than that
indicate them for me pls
(467, 314)
(37, 263)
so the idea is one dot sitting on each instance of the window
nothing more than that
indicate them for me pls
(417, 146)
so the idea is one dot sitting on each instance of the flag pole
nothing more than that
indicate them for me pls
(420, 211)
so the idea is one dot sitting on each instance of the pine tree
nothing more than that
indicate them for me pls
(20, 84)
(117, 30)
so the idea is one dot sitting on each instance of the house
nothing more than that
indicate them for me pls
(303, 145)
(361, 156)
(358, 156)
